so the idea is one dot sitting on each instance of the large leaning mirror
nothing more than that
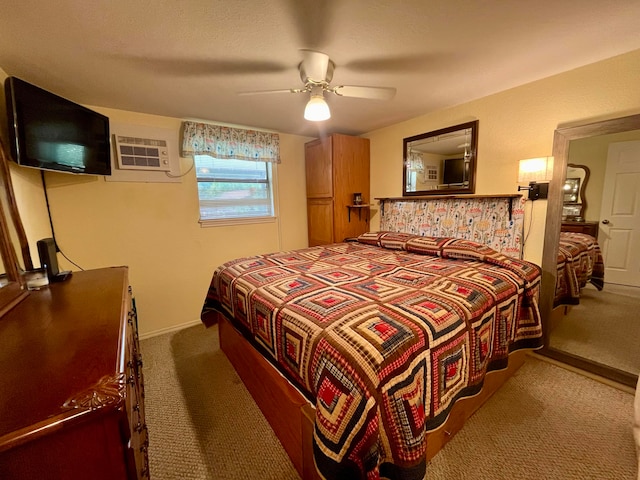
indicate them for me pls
(599, 332)
(441, 162)
(11, 280)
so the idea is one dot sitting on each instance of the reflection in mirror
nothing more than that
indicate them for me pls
(11, 283)
(17, 235)
(598, 332)
(441, 162)
(574, 203)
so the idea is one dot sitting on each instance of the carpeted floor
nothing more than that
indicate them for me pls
(604, 327)
(545, 423)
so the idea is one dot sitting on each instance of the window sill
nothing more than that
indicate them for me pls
(224, 222)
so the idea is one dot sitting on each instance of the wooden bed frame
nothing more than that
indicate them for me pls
(292, 417)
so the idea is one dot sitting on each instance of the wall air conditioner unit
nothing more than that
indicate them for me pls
(142, 154)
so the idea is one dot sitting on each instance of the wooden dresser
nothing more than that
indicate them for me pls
(337, 167)
(590, 228)
(71, 383)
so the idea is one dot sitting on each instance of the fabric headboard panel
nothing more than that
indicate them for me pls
(497, 222)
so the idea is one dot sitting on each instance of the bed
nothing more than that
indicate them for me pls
(579, 262)
(365, 347)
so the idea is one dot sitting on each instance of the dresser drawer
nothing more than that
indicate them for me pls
(590, 228)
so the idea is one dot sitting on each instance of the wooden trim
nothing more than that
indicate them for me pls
(13, 210)
(292, 417)
(448, 197)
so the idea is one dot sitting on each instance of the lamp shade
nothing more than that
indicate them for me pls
(535, 170)
(317, 109)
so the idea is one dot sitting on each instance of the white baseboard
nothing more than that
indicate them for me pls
(173, 328)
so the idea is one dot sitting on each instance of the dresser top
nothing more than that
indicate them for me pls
(57, 343)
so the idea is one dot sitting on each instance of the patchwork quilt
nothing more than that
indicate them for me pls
(384, 335)
(579, 262)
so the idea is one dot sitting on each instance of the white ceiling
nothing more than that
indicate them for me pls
(189, 58)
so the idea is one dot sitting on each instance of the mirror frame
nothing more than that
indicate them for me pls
(15, 291)
(581, 192)
(472, 163)
(561, 139)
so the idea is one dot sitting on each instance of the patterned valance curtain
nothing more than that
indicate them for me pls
(416, 161)
(230, 143)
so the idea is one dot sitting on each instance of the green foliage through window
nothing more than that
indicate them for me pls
(233, 189)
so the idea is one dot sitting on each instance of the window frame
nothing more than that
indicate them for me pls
(272, 175)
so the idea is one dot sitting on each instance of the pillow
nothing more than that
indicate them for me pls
(395, 240)
(459, 248)
(427, 245)
(370, 238)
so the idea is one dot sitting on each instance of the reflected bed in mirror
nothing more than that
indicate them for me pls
(441, 162)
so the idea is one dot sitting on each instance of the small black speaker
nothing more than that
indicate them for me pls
(49, 260)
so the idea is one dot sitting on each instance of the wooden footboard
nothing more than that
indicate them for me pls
(291, 416)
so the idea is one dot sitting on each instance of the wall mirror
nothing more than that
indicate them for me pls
(441, 162)
(574, 202)
(12, 289)
(578, 335)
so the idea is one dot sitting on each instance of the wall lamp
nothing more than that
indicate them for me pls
(537, 172)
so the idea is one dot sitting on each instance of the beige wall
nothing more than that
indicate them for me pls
(515, 124)
(153, 227)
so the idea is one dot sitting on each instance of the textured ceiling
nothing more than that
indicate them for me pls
(188, 59)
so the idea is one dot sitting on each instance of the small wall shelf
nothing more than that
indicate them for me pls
(359, 208)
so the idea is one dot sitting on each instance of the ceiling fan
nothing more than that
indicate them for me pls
(316, 73)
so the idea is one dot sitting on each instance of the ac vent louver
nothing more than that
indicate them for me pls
(142, 153)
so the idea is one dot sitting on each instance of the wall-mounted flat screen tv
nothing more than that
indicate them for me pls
(52, 133)
(455, 171)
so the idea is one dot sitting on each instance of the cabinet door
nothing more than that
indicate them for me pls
(319, 168)
(351, 169)
(320, 221)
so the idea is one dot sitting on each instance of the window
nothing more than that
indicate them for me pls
(235, 171)
(231, 189)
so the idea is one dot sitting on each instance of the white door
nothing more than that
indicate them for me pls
(620, 214)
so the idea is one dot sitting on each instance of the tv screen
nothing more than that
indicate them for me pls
(52, 133)
(454, 171)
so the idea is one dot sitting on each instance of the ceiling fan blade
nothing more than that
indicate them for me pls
(202, 66)
(315, 66)
(262, 92)
(313, 21)
(376, 93)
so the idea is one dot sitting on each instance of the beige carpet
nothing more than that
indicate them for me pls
(545, 423)
(604, 327)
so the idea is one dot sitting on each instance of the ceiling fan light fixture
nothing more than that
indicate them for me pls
(317, 109)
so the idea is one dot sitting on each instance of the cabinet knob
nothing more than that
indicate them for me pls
(605, 222)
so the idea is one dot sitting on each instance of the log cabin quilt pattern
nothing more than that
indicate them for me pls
(579, 262)
(383, 335)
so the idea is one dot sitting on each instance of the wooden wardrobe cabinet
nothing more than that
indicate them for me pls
(337, 166)
(71, 383)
